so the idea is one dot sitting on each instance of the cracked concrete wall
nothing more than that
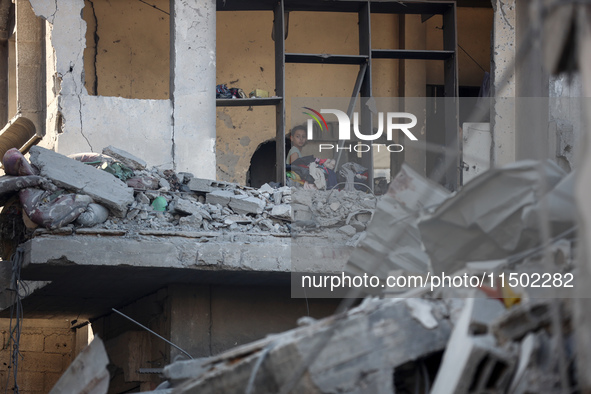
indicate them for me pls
(89, 123)
(503, 82)
(127, 50)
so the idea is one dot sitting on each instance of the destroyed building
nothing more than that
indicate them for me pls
(201, 241)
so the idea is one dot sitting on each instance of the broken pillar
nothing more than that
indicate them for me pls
(30, 73)
(193, 57)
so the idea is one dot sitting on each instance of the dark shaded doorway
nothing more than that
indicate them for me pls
(262, 165)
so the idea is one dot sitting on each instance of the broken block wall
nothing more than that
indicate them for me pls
(47, 348)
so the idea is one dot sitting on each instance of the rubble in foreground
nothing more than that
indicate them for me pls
(494, 337)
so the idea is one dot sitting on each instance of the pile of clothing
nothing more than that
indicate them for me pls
(312, 173)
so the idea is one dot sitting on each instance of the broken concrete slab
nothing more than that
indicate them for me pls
(200, 185)
(70, 174)
(382, 328)
(484, 220)
(244, 204)
(473, 363)
(221, 197)
(282, 211)
(266, 188)
(348, 230)
(88, 372)
(185, 206)
(393, 240)
(131, 161)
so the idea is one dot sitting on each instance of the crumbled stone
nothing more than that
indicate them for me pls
(186, 206)
(164, 183)
(348, 230)
(200, 185)
(103, 187)
(221, 197)
(124, 157)
(243, 205)
(266, 188)
(142, 198)
(282, 211)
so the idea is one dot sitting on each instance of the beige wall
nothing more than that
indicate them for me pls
(245, 59)
(47, 348)
(474, 34)
(132, 57)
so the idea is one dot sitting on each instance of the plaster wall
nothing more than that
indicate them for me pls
(127, 50)
(144, 127)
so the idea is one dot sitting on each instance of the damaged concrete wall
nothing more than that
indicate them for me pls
(47, 348)
(89, 123)
(566, 119)
(503, 82)
(127, 49)
(143, 127)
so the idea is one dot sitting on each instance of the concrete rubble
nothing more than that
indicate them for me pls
(453, 339)
(189, 203)
(73, 175)
(385, 326)
(88, 372)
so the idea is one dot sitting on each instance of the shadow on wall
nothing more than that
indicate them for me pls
(262, 164)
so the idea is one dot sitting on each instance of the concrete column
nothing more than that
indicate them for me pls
(503, 78)
(4, 34)
(190, 320)
(30, 60)
(193, 73)
(531, 85)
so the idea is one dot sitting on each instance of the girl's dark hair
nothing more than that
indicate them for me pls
(296, 128)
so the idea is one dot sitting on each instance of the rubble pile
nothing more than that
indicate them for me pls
(503, 333)
(116, 191)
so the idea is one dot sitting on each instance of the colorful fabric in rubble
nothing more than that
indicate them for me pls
(15, 163)
(314, 171)
(52, 210)
(105, 163)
